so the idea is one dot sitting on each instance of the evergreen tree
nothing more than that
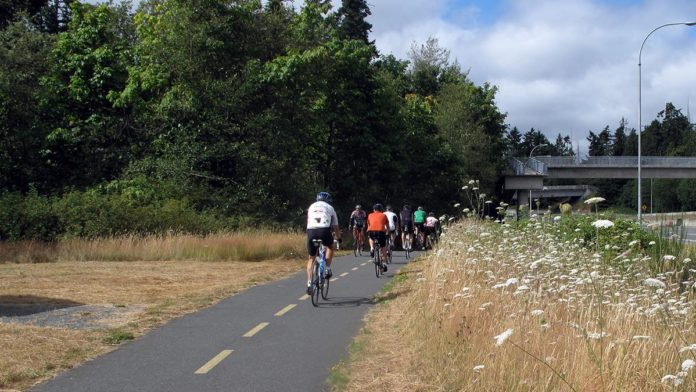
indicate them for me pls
(352, 21)
(620, 139)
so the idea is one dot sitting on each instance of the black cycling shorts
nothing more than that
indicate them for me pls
(379, 236)
(323, 234)
(420, 226)
(407, 227)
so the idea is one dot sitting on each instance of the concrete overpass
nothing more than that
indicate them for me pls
(527, 174)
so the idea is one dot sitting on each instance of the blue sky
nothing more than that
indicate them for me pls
(567, 66)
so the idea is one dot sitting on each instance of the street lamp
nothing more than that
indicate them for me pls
(640, 109)
(530, 191)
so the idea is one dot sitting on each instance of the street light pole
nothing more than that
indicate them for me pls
(530, 191)
(640, 111)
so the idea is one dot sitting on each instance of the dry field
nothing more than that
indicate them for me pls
(135, 296)
(502, 309)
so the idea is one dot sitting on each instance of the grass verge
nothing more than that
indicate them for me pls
(519, 309)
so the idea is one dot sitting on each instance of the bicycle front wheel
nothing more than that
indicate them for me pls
(377, 262)
(325, 289)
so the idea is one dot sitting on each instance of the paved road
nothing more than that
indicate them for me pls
(268, 338)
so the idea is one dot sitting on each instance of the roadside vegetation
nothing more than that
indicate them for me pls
(540, 305)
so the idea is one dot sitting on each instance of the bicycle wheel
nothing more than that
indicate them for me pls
(325, 288)
(355, 246)
(315, 283)
(377, 262)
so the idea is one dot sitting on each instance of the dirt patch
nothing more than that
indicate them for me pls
(54, 316)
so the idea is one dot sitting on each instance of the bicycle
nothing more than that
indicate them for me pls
(390, 245)
(407, 244)
(377, 259)
(357, 242)
(320, 285)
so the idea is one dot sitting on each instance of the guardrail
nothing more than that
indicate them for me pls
(647, 161)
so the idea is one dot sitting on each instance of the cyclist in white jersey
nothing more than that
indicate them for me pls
(393, 224)
(322, 223)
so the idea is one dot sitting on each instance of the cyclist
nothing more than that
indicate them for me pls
(322, 223)
(393, 224)
(377, 226)
(431, 226)
(356, 225)
(419, 223)
(406, 224)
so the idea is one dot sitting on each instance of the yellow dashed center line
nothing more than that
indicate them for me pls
(285, 310)
(303, 298)
(343, 274)
(214, 362)
(255, 330)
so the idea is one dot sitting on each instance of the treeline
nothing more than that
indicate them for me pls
(205, 115)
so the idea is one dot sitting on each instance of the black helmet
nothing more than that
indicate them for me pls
(324, 196)
(377, 207)
(407, 207)
(389, 208)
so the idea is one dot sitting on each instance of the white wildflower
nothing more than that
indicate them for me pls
(557, 218)
(688, 348)
(668, 257)
(596, 335)
(537, 312)
(478, 368)
(672, 379)
(651, 243)
(472, 182)
(652, 282)
(641, 337)
(602, 224)
(465, 187)
(456, 205)
(633, 243)
(687, 365)
(594, 200)
(500, 339)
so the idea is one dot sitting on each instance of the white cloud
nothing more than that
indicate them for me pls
(569, 66)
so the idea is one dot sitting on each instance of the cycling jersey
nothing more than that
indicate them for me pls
(406, 216)
(431, 221)
(391, 217)
(419, 216)
(357, 219)
(321, 215)
(377, 221)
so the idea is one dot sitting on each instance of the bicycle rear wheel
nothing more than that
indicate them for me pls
(315, 283)
(325, 288)
(377, 262)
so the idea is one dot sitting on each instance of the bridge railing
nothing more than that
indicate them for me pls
(517, 166)
(619, 161)
(538, 166)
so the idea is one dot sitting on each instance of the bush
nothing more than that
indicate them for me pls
(29, 217)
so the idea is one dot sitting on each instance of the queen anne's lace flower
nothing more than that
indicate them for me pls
(594, 200)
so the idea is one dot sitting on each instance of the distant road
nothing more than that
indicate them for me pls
(268, 338)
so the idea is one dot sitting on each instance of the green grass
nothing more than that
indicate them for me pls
(118, 336)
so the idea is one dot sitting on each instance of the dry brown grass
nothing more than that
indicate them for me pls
(161, 289)
(448, 315)
(242, 246)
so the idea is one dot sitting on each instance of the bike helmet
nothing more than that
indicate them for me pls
(378, 207)
(407, 207)
(358, 207)
(324, 196)
(420, 208)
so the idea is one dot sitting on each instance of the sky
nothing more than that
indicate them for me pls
(566, 66)
(560, 66)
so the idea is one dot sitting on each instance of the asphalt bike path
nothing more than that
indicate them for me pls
(267, 338)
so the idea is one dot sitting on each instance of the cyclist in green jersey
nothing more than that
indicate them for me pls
(419, 222)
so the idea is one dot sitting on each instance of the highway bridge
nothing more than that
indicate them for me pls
(528, 174)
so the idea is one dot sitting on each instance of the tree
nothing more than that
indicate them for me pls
(601, 143)
(563, 146)
(513, 140)
(24, 54)
(620, 139)
(90, 140)
(428, 62)
(10, 9)
(352, 23)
